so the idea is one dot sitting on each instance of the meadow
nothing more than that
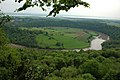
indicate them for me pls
(62, 37)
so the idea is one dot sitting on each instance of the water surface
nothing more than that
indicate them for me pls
(96, 44)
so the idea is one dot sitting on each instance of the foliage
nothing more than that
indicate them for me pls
(24, 37)
(26, 64)
(4, 18)
(3, 39)
(57, 5)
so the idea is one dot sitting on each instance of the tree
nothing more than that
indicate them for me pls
(3, 39)
(57, 5)
(88, 76)
(112, 75)
(91, 67)
(3, 19)
(68, 72)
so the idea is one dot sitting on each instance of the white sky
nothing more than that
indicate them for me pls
(102, 8)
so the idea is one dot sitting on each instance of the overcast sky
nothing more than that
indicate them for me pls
(102, 8)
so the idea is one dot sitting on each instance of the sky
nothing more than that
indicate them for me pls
(100, 8)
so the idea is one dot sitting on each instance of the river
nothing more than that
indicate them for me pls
(96, 43)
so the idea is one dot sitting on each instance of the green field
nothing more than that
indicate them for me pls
(63, 38)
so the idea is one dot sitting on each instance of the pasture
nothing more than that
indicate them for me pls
(63, 37)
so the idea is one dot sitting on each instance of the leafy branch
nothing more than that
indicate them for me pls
(56, 5)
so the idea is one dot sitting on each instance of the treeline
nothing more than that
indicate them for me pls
(31, 64)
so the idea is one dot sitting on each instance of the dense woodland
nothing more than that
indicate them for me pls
(22, 37)
(35, 64)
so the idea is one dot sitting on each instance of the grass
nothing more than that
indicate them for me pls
(62, 37)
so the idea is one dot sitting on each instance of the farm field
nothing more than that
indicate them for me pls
(62, 37)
